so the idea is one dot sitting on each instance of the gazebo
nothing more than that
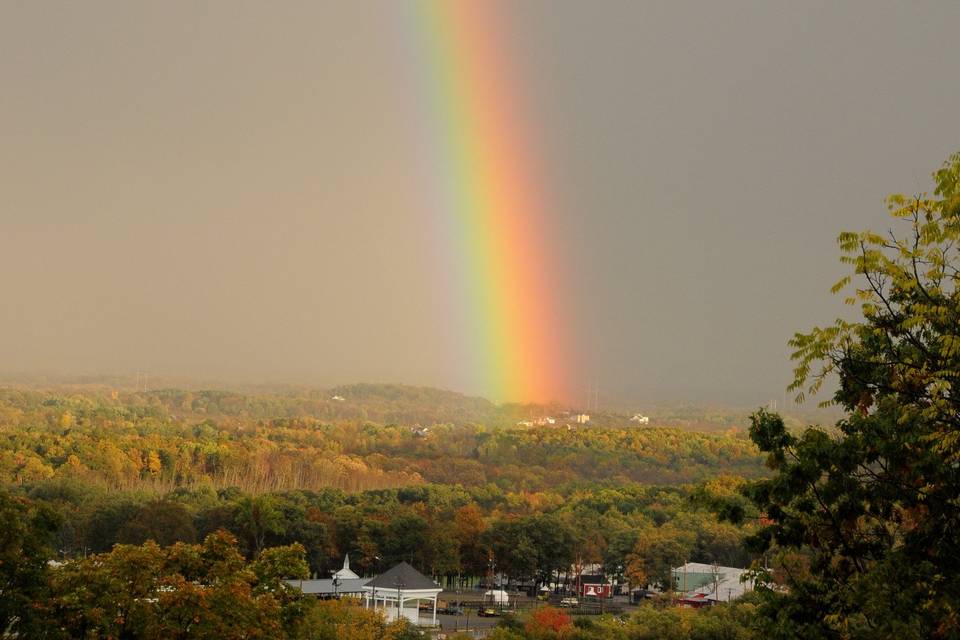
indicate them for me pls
(392, 591)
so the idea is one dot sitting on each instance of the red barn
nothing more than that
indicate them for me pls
(594, 586)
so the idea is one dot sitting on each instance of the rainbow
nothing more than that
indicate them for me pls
(490, 205)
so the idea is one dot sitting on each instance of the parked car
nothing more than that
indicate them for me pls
(569, 602)
(488, 612)
(451, 610)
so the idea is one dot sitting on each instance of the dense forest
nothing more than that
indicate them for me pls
(169, 439)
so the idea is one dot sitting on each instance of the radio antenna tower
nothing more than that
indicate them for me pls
(593, 394)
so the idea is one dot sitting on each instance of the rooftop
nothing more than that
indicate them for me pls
(325, 586)
(708, 582)
(403, 576)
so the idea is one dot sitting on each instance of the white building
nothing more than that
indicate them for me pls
(343, 582)
(701, 584)
(345, 573)
(399, 591)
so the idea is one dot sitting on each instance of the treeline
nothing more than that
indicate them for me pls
(379, 403)
(382, 403)
(637, 532)
(139, 443)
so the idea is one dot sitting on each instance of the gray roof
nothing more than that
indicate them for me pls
(403, 576)
(325, 586)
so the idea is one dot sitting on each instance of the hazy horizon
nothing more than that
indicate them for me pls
(228, 191)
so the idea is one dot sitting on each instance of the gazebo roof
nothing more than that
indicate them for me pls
(403, 576)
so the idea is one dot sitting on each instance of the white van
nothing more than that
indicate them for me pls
(496, 596)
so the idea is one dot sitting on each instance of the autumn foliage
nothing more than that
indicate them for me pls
(548, 622)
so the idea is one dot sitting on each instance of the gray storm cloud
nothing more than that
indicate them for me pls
(226, 190)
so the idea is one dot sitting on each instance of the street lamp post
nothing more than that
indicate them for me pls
(457, 609)
(336, 587)
(400, 586)
(490, 572)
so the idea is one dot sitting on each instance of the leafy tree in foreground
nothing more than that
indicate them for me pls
(181, 591)
(870, 512)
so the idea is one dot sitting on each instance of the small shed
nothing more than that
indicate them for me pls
(392, 591)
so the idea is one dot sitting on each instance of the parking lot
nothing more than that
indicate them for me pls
(472, 602)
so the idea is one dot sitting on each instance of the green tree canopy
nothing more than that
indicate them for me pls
(25, 538)
(870, 511)
(162, 521)
(181, 591)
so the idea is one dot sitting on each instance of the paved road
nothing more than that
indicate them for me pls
(455, 623)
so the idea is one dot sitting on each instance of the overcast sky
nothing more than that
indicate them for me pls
(224, 189)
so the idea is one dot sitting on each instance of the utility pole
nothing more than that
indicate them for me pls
(715, 570)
